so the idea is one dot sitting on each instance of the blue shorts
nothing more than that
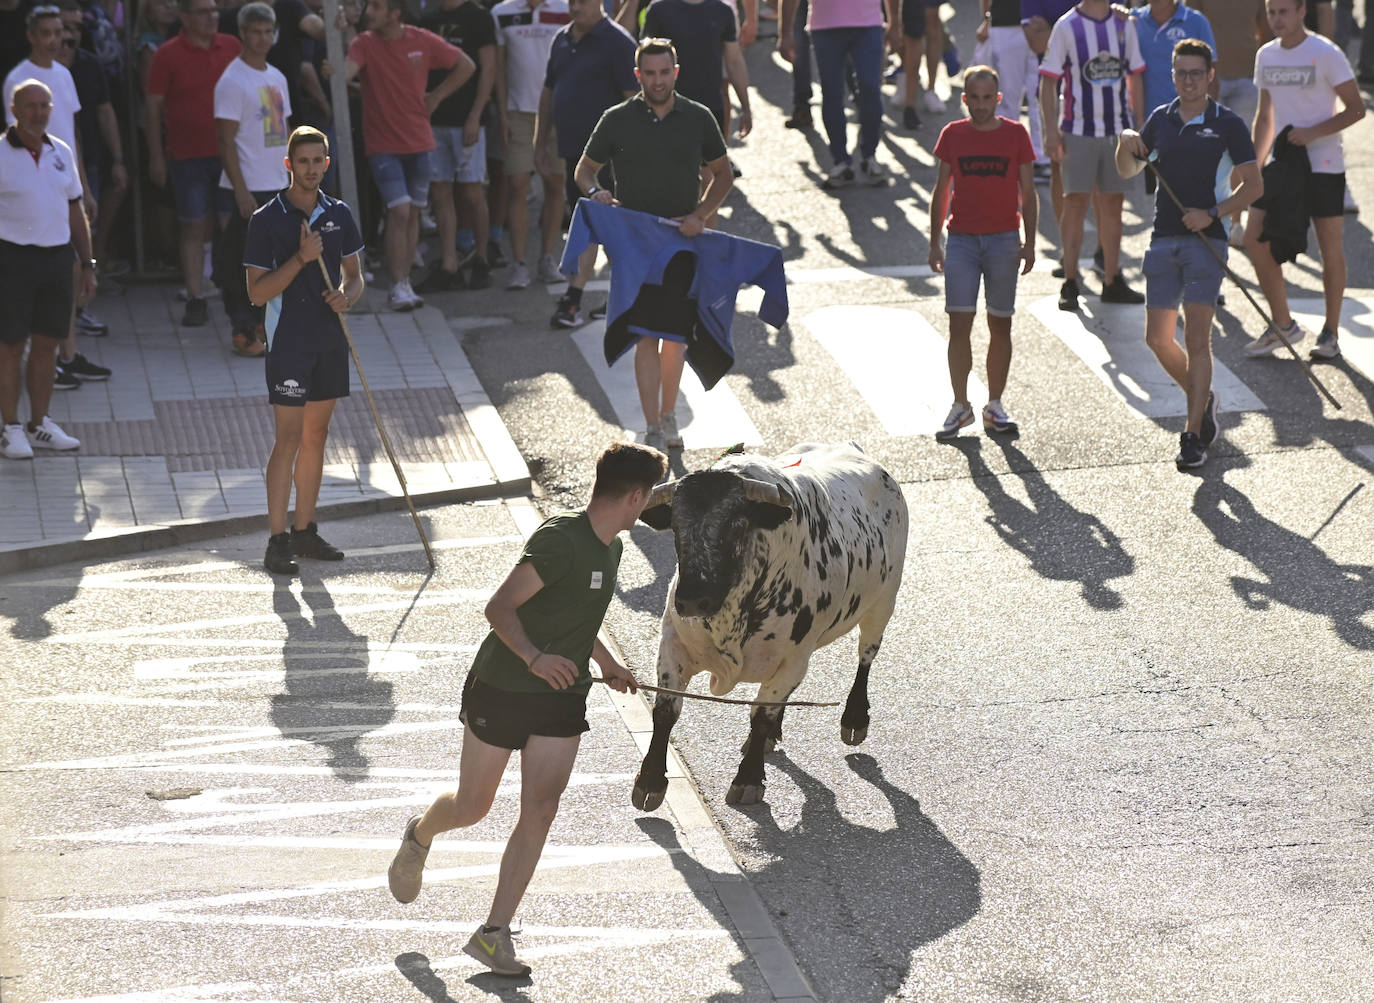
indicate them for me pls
(294, 377)
(194, 183)
(1180, 270)
(402, 178)
(452, 161)
(992, 257)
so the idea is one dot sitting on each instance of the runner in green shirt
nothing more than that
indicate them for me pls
(528, 688)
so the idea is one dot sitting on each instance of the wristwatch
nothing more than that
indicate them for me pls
(593, 190)
(1213, 212)
(89, 264)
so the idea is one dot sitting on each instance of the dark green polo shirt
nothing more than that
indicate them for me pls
(657, 162)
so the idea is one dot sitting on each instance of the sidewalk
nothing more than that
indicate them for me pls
(174, 446)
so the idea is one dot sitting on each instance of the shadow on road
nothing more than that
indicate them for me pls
(417, 968)
(1061, 542)
(329, 698)
(1300, 574)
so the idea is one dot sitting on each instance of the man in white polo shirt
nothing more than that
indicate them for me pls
(40, 217)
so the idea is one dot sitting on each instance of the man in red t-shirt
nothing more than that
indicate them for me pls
(989, 160)
(394, 60)
(181, 90)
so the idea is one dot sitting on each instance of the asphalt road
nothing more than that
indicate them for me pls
(1121, 718)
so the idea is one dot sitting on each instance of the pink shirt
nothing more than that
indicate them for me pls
(845, 14)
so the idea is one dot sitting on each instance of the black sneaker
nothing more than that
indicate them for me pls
(308, 543)
(1100, 264)
(197, 313)
(597, 312)
(1058, 272)
(1068, 295)
(1116, 291)
(735, 169)
(64, 380)
(1191, 453)
(440, 281)
(801, 119)
(89, 323)
(910, 120)
(496, 259)
(84, 369)
(1208, 433)
(567, 314)
(278, 557)
(479, 274)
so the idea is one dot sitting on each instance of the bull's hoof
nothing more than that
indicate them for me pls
(853, 736)
(744, 794)
(769, 745)
(645, 799)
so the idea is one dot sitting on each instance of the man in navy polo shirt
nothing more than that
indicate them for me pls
(307, 351)
(591, 68)
(1195, 144)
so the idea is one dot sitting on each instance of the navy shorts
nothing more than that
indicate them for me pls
(914, 19)
(194, 183)
(36, 289)
(507, 719)
(294, 377)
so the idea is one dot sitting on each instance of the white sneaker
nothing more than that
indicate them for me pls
(49, 435)
(547, 270)
(14, 444)
(519, 276)
(872, 172)
(415, 298)
(672, 438)
(1236, 238)
(399, 299)
(653, 437)
(932, 103)
(1270, 340)
(839, 176)
(996, 419)
(959, 416)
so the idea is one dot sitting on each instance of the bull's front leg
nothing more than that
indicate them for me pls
(651, 783)
(748, 785)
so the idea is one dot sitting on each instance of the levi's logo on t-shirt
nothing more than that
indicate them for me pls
(984, 166)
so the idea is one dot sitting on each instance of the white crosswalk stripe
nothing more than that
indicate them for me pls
(1357, 328)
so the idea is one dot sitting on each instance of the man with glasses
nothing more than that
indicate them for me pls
(181, 93)
(1195, 144)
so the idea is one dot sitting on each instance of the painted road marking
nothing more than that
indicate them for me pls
(1356, 334)
(897, 361)
(707, 418)
(1110, 339)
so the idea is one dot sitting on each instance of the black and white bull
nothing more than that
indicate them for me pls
(776, 558)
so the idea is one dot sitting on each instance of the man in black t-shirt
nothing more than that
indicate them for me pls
(706, 39)
(460, 145)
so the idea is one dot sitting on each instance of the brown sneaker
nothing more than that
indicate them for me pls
(408, 866)
(494, 949)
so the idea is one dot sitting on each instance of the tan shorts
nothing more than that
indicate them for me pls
(520, 150)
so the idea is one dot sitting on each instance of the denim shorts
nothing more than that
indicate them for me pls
(194, 183)
(402, 178)
(992, 257)
(452, 161)
(1180, 270)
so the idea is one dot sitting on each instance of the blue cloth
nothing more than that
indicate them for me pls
(1195, 158)
(299, 318)
(587, 77)
(863, 49)
(1050, 10)
(1157, 43)
(640, 247)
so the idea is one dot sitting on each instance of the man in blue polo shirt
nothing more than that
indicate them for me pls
(1160, 25)
(591, 68)
(307, 350)
(1195, 144)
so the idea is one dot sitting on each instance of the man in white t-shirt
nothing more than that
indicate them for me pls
(524, 36)
(252, 105)
(1302, 77)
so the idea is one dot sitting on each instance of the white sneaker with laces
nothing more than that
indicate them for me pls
(14, 444)
(399, 299)
(672, 438)
(839, 176)
(932, 102)
(49, 435)
(960, 414)
(410, 291)
(547, 270)
(1270, 340)
(996, 419)
(519, 276)
(872, 172)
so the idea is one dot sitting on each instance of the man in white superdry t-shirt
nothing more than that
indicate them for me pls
(1301, 78)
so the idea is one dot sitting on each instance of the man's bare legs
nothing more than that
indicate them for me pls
(999, 355)
(1071, 230)
(1108, 207)
(658, 374)
(518, 214)
(297, 455)
(480, 768)
(191, 244)
(1267, 270)
(402, 237)
(960, 354)
(39, 376)
(446, 220)
(1329, 231)
(1189, 365)
(551, 212)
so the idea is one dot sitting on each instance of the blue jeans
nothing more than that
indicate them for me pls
(864, 48)
(992, 258)
(801, 62)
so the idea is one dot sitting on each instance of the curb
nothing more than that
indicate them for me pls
(752, 923)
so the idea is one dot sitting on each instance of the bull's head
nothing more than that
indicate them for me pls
(713, 514)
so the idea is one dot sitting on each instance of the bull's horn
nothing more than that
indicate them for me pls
(763, 491)
(662, 494)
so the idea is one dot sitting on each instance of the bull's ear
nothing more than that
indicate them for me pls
(767, 515)
(659, 517)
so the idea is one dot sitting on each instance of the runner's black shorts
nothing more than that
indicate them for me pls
(36, 290)
(914, 19)
(1325, 196)
(294, 377)
(507, 719)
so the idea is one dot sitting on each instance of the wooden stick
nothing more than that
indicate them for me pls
(715, 699)
(377, 419)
